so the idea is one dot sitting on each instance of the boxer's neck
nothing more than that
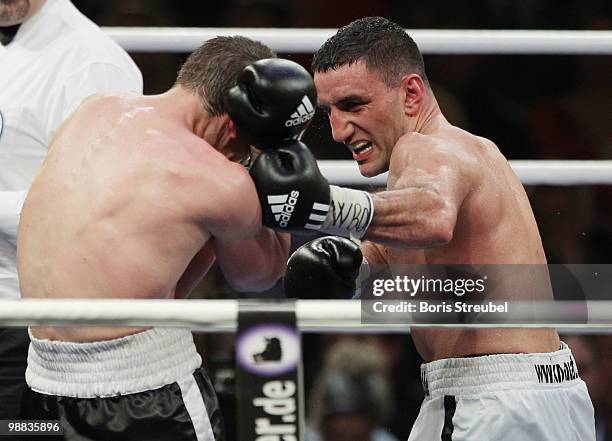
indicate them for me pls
(217, 130)
(187, 107)
(429, 117)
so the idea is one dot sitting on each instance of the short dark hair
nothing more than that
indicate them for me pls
(213, 68)
(384, 45)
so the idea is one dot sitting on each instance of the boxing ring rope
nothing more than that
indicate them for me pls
(430, 41)
(531, 172)
(319, 316)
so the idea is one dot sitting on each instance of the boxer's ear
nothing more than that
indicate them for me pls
(413, 91)
(230, 127)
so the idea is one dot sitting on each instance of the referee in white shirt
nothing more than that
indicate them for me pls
(51, 57)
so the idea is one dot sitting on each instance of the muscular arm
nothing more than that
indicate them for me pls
(251, 257)
(428, 182)
(254, 264)
(427, 186)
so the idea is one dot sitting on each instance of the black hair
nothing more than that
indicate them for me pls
(383, 45)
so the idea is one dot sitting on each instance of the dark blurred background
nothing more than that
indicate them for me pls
(532, 107)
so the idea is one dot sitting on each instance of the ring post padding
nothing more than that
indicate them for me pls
(269, 380)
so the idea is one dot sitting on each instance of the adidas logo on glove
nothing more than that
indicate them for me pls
(303, 113)
(282, 206)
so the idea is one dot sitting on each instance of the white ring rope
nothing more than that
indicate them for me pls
(430, 41)
(531, 172)
(221, 315)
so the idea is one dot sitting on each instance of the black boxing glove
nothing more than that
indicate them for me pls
(293, 193)
(274, 100)
(295, 196)
(327, 267)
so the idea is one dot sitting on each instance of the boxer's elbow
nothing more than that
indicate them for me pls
(272, 273)
(256, 282)
(262, 276)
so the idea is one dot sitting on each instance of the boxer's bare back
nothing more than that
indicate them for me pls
(131, 195)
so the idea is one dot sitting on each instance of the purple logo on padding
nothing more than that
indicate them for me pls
(268, 350)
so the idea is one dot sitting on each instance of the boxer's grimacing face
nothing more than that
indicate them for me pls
(364, 113)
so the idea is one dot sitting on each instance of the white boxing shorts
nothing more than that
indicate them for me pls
(505, 397)
(148, 386)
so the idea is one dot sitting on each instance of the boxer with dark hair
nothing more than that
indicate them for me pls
(451, 198)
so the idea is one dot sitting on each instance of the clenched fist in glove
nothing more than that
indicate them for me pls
(296, 197)
(327, 267)
(273, 101)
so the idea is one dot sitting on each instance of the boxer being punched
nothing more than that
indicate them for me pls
(137, 198)
(451, 198)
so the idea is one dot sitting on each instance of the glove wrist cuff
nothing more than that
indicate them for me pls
(350, 212)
